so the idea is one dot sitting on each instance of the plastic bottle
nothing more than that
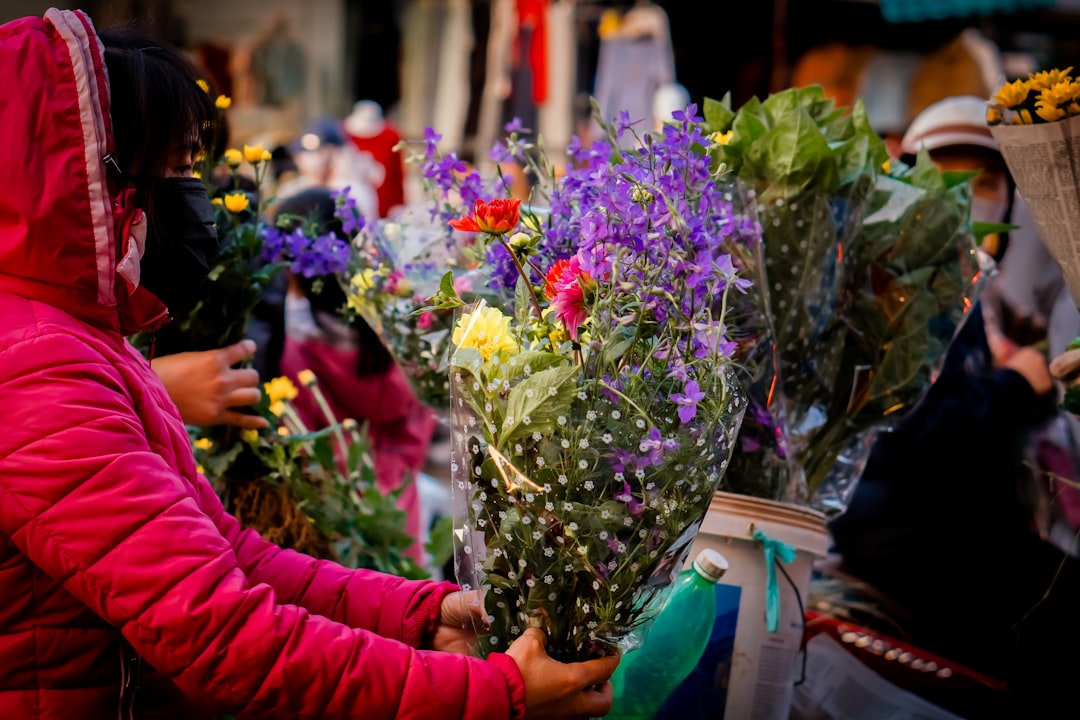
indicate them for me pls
(674, 643)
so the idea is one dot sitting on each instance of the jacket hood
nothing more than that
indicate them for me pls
(67, 237)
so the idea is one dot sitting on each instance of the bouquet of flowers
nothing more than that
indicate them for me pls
(594, 416)
(867, 271)
(310, 490)
(395, 266)
(1036, 122)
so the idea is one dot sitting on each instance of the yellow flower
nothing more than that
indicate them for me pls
(1049, 113)
(1012, 94)
(236, 202)
(993, 116)
(204, 444)
(278, 389)
(200, 469)
(722, 138)
(1057, 95)
(886, 167)
(223, 102)
(1048, 78)
(233, 157)
(217, 201)
(349, 424)
(283, 431)
(487, 330)
(1024, 117)
(196, 174)
(250, 436)
(253, 153)
(266, 156)
(306, 378)
(277, 408)
(203, 84)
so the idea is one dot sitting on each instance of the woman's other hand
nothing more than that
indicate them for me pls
(206, 387)
(561, 690)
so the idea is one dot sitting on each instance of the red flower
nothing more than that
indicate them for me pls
(554, 275)
(572, 289)
(497, 217)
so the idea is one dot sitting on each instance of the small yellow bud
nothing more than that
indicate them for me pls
(253, 153)
(233, 157)
(236, 202)
(204, 444)
(250, 436)
(349, 424)
(266, 156)
(203, 84)
(223, 102)
(306, 378)
(200, 469)
(216, 201)
(283, 431)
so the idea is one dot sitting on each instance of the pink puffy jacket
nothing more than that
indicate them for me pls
(125, 590)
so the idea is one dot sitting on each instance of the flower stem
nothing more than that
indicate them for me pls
(524, 276)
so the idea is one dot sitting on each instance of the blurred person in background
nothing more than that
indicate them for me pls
(355, 371)
(943, 520)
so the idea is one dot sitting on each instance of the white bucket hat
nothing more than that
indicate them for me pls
(958, 120)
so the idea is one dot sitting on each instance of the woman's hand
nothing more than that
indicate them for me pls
(205, 385)
(459, 616)
(561, 690)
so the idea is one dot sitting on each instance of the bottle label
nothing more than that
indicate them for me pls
(764, 668)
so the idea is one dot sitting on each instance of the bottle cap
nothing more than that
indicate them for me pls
(710, 565)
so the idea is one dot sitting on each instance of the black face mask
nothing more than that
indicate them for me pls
(181, 244)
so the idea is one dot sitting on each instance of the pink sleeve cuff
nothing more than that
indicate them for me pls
(431, 610)
(515, 684)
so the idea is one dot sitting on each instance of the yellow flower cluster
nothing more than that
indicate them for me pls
(1045, 96)
(279, 391)
(487, 330)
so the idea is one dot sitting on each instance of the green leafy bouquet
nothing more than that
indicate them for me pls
(310, 490)
(867, 271)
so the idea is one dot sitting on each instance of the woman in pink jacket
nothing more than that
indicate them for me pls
(125, 590)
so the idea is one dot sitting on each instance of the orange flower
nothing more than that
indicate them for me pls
(497, 217)
(553, 276)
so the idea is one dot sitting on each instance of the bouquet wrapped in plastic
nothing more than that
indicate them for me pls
(396, 265)
(594, 418)
(866, 273)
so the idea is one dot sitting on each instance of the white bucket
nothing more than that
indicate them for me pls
(746, 671)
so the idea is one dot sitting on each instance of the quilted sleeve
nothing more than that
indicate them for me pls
(86, 499)
(393, 607)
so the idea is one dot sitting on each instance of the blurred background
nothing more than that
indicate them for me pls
(461, 65)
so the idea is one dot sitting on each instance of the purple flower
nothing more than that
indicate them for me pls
(346, 211)
(688, 401)
(652, 445)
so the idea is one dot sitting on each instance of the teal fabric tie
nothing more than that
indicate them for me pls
(773, 549)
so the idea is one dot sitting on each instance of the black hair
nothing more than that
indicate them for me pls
(156, 105)
(325, 294)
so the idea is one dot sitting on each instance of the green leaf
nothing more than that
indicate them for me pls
(953, 178)
(925, 174)
(535, 360)
(718, 113)
(1073, 345)
(540, 398)
(440, 544)
(981, 229)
